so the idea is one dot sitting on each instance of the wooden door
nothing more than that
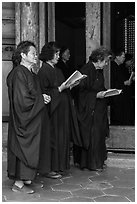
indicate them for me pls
(122, 138)
(8, 45)
(98, 32)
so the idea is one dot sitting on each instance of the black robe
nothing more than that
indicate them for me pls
(93, 121)
(25, 114)
(63, 123)
(121, 105)
(65, 68)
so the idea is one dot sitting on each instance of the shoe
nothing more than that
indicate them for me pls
(54, 175)
(33, 184)
(63, 173)
(99, 169)
(36, 184)
(24, 189)
(104, 166)
(27, 182)
(84, 168)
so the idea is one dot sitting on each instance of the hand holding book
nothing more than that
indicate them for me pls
(75, 84)
(109, 92)
(72, 81)
(75, 78)
(63, 86)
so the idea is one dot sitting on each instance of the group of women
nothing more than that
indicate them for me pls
(44, 119)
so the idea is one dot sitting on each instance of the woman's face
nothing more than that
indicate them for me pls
(121, 58)
(31, 57)
(55, 58)
(66, 55)
(102, 64)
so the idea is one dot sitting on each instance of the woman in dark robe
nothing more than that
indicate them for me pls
(121, 105)
(63, 62)
(64, 65)
(130, 75)
(26, 105)
(63, 121)
(117, 81)
(91, 109)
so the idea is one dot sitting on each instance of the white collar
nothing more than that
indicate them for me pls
(50, 64)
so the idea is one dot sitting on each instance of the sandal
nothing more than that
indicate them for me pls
(27, 182)
(32, 184)
(53, 175)
(23, 189)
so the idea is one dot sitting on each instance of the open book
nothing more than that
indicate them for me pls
(74, 78)
(112, 92)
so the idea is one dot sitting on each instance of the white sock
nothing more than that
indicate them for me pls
(20, 184)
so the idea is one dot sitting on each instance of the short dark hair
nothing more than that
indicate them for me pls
(119, 52)
(128, 57)
(99, 54)
(22, 47)
(48, 51)
(63, 49)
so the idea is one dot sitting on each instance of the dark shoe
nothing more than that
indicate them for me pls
(40, 185)
(104, 166)
(83, 169)
(64, 173)
(24, 189)
(99, 169)
(54, 175)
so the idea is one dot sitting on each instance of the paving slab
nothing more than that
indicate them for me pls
(97, 188)
(88, 193)
(108, 198)
(119, 191)
(116, 183)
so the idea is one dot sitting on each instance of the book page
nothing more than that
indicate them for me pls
(76, 76)
(112, 92)
(131, 76)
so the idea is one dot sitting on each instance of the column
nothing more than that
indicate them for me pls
(93, 13)
(27, 22)
(106, 36)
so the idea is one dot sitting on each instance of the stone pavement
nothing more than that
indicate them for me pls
(116, 183)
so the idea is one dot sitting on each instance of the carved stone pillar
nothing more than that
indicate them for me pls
(93, 14)
(27, 21)
(30, 23)
(35, 21)
(106, 32)
(51, 21)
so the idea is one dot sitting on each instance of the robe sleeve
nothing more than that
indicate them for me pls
(49, 87)
(27, 102)
(88, 93)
